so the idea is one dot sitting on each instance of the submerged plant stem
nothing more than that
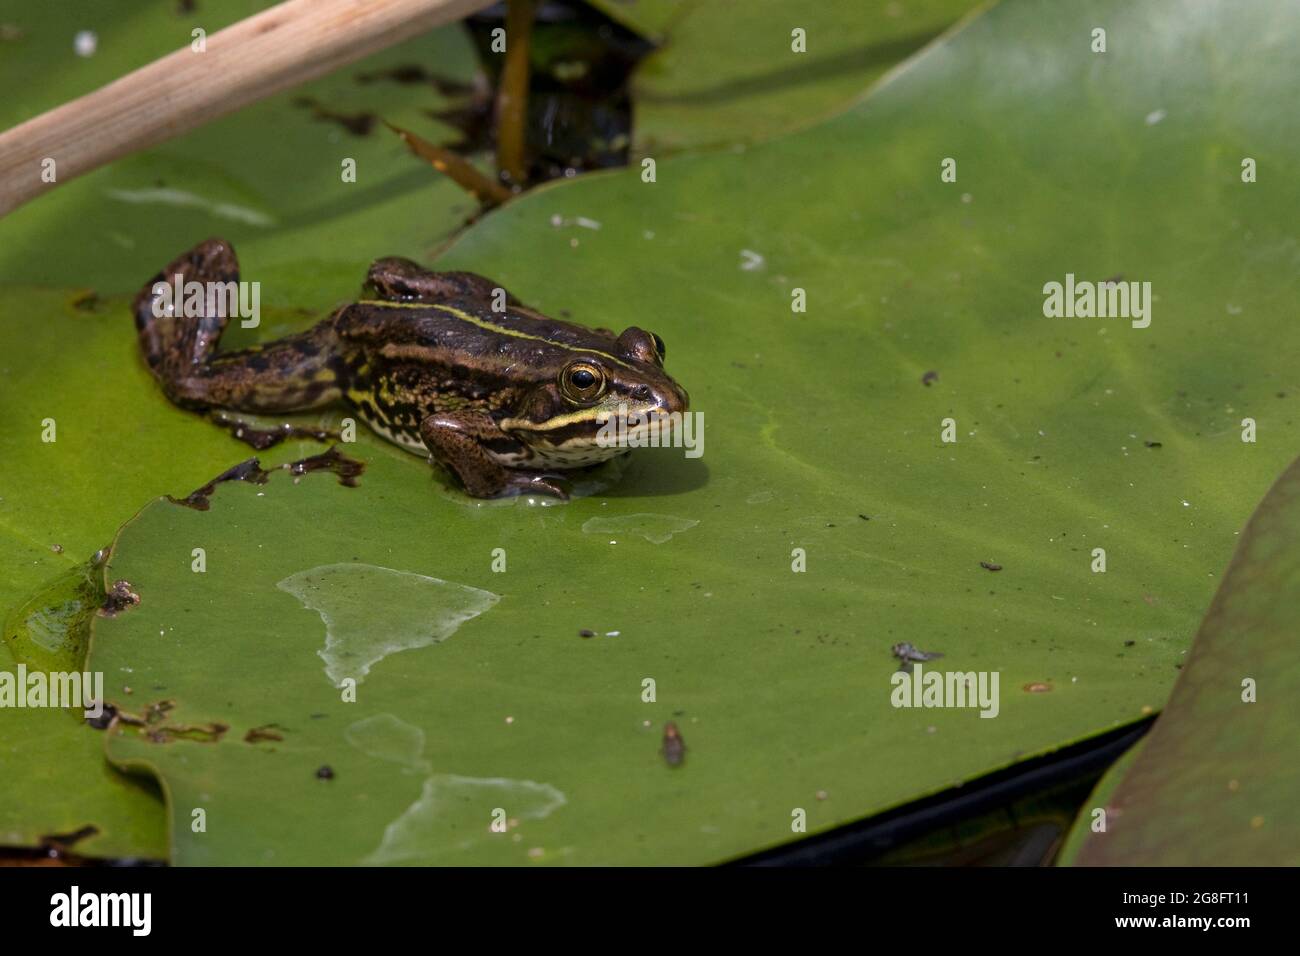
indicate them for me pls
(512, 97)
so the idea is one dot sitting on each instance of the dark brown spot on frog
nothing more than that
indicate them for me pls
(118, 599)
(990, 566)
(674, 747)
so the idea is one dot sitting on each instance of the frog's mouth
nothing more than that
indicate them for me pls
(640, 426)
(604, 430)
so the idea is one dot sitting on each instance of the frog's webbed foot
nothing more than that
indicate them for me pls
(400, 280)
(460, 441)
(525, 482)
(172, 340)
(180, 338)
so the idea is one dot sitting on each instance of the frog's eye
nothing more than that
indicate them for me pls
(660, 348)
(582, 382)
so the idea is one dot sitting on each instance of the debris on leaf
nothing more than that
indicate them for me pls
(908, 654)
(265, 732)
(674, 747)
(119, 598)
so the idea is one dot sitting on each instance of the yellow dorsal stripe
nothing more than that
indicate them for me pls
(552, 423)
(490, 326)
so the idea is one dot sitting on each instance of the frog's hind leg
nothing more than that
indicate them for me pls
(400, 280)
(180, 341)
(173, 342)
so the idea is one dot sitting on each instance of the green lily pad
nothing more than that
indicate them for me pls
(60, 791)
(99, 812)
(89, 439)
(824, 435)
(60, 501)
(1215, 782)
(1086, 813)
(729, 74)
(652, 19)
(925, 302)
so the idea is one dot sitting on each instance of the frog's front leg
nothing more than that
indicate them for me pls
(463, 441)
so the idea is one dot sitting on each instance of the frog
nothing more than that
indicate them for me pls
(447, 365)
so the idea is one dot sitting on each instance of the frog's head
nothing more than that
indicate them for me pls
(569, 420)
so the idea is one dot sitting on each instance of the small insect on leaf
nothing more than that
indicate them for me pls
(674, 748)
(908, 654)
